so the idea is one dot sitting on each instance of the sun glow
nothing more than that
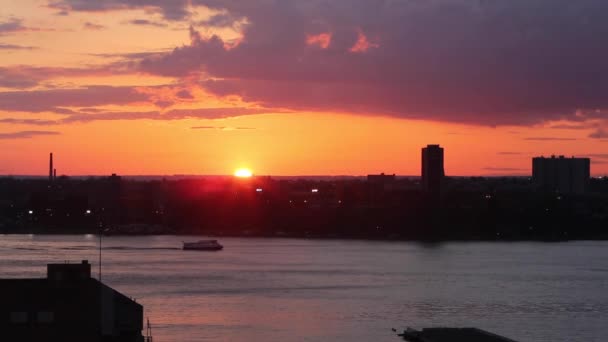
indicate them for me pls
(243, 173)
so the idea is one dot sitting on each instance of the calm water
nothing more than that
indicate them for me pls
(311, 290)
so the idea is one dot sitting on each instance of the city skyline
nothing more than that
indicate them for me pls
(224, 85)
(438, 172)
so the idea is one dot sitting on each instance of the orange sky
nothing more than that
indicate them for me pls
(45, 52)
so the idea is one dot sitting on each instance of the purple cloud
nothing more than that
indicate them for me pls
(468, 61)
(93, 26)
(26, 134)
(53, 100)
(34, 122)
(12, 25)
(465, 61)
(184, 94)
(145, 22)
(16, 47)
(573, 126)
(174, 114)
(171, 9)
(599, 133)
(23, 76)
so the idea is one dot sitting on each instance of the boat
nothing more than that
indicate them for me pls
(203, 245)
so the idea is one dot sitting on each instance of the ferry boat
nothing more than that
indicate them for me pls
(203, 245)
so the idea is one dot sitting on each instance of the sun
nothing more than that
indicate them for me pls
(243, 173)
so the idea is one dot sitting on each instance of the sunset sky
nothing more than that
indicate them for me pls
(292, 87)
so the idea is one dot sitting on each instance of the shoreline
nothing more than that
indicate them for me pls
(309, 237)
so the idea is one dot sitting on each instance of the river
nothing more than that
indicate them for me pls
(340, 290)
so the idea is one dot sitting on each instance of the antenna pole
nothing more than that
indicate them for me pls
(100, 231)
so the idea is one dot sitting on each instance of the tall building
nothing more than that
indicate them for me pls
(432, 169)
(51, 167)
(563, 175)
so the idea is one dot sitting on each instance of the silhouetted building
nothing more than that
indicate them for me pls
(69, 306)
(432, 169)
(51, 167)
(381, 178)
(563, 175)
(451, 335)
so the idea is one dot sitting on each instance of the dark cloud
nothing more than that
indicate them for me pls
(12, 25)
(26, 134)
(16, 47)
(93, 26)
(53, 100)
(517, 62)
(184, 94)
(599, 133)
(573, 126)
(219, 20)
(163, 104)
(174, 114)
(129, 55)
(171, 9)
(34, 122)
(23, 76)
(145, 22)
(471, 61)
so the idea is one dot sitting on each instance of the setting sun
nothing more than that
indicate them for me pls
(243, 173)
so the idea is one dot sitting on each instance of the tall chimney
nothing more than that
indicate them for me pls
(54, 175)
(51, 167)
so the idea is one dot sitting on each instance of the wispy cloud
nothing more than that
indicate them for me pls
(146, 22)
(549, 139)
(599, 133)
(16, 47)
(14, 25)
(92, 26)
(174, 114)
(572, 126)
(27, 76)
(26, 134)
(33, 122)
(223, 128)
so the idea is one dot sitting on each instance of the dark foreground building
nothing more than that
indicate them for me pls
(452, 335)
(69, 306)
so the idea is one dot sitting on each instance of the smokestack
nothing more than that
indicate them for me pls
(51, 167)
(54, 174)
